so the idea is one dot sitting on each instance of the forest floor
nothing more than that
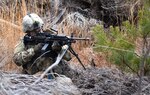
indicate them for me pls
(92, 81)
(101, 79)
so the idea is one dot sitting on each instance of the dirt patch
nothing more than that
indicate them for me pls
(107, 81)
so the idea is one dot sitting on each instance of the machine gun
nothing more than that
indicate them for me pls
(48, 38)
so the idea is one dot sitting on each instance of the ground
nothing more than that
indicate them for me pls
(92, 81)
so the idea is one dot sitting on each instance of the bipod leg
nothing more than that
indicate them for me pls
(76, 55)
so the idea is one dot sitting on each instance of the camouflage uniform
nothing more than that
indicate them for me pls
(29, 55)
(31, 60)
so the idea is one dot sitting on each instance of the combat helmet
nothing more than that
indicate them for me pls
(31, 22)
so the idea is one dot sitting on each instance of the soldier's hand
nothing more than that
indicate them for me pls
(56, 46)
(38, 47)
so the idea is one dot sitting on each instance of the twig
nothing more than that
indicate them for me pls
(58, 17)
(130, 67)
(2, 87)
(146, 87)
(39, 58)
(107, 47)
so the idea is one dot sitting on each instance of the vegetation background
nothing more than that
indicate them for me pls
(129, 49)
(125, 49)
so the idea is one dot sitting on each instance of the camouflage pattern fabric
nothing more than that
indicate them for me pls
(26, 57)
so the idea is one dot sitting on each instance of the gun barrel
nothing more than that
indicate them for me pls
(75, 38)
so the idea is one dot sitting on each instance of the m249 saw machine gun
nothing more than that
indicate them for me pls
(48, 38)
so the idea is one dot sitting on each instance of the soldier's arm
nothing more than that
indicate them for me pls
(67, 55)
(22, 56)
(56, 46)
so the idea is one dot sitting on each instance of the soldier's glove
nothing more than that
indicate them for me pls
(56, 46)
(38, 47)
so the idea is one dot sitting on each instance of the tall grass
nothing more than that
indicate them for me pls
(10, 30)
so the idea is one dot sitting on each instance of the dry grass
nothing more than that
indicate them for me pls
(10, 31)
(91, 58)
(78, 25)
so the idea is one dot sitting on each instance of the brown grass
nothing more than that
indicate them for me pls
(10, 31)
(90, 57)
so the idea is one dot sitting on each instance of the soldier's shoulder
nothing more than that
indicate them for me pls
(20, 42)
(19, 47)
